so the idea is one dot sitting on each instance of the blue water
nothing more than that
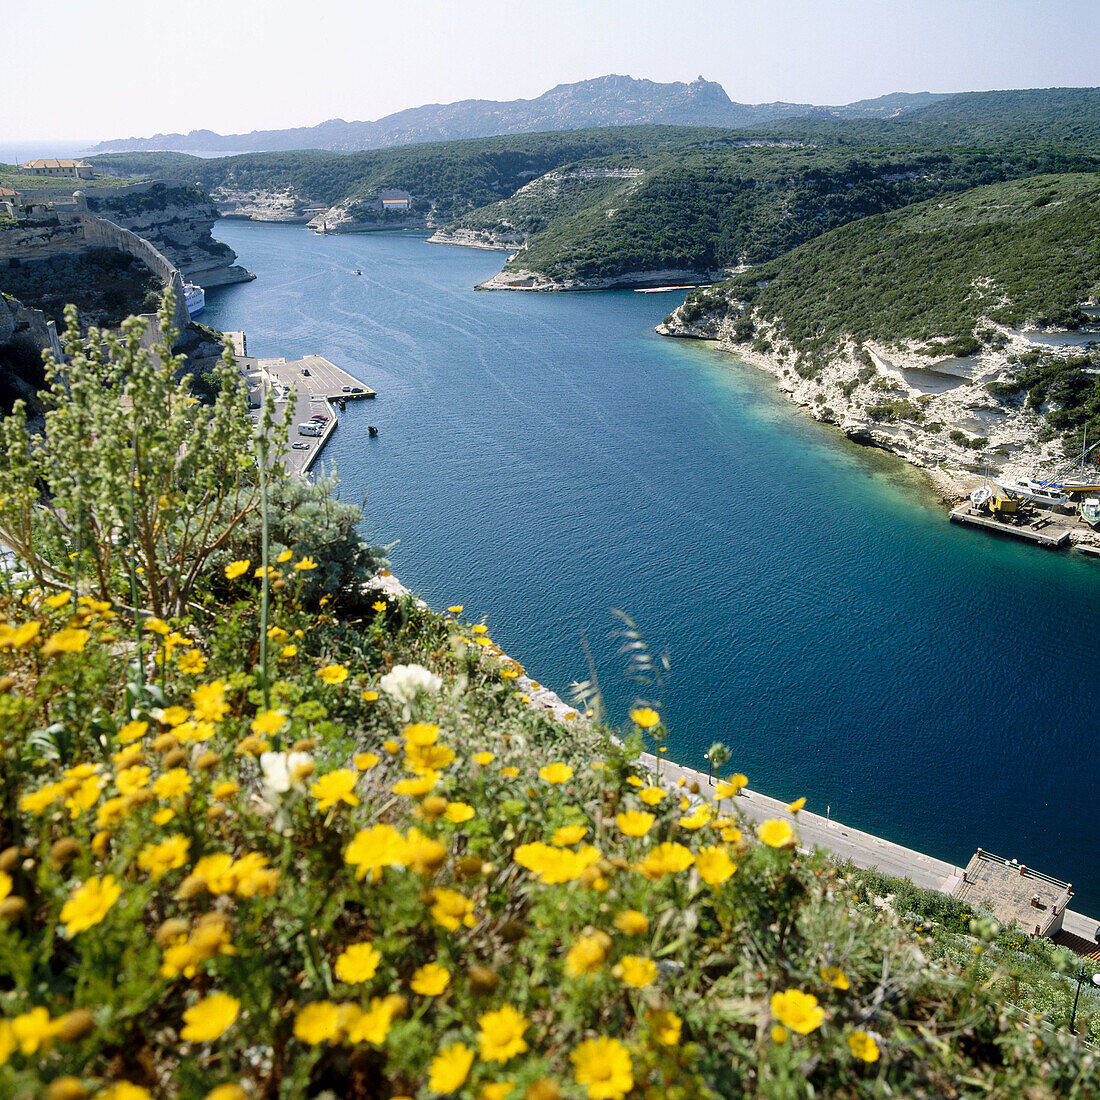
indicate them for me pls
(545, 458)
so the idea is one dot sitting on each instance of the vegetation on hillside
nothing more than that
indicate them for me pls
(1023, 252)
(265, 843)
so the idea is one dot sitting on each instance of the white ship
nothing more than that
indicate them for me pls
(1039, 492)
(195, 297)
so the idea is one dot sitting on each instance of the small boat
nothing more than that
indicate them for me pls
(195, 298)
(1091, 551)
(1038, 492)
(1089, 509)
(357, 272)
(980, 495)
(372, 431)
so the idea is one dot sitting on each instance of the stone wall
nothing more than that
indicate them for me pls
(101, 233)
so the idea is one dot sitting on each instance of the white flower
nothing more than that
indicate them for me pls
(279, 771)
(405, 681)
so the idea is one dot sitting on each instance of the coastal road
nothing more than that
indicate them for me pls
(863, 849)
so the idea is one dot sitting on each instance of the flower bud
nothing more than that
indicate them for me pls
(171, 930)
(432, 807)
(7, 683)
(9, 857)
(174, 759)
(63, 850)
(208, 760)
(66, 1088)
(74, 1025)
(11, 908)
(305, 744)
(543, 1089)
(214, 813)
(165, 742)
(512, 931)
(482, 980)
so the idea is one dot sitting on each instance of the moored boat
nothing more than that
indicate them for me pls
(1090, 511)
(1038, 492)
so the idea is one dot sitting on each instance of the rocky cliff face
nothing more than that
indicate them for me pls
(178, 221)
(936, 414)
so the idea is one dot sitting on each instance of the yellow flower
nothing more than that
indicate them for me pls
(209, 702)
(495, 1090)
(776, 833)
(268, 721)
(236, 568)
(779, 1034)
(568, 835)
(422, 734)
(172, 784)
(124, 1090)
(19, 637)
(225, 790)
(836, 977)
(373, 1025)
(173, 716)
(863, 1046)
(33, 1030)
(364, 761)
(69, 640)
(317, 1023)
(727, 788)
(603, 1067)
(59, 599)
(644, 717)
(483, 758)
(358, 963)
(651, 795)
(379, 605)
(285, 556)
(635, 822)
(636, 971)
(163, 816)
(665, 859)
(333, 674)
(334, 787)
(36, 801)
(418, 786)
(452, 909)
(226, 1092)
(192, 663)
(633, 780)
(665, 1026)
(305, 564)
(287, 652)
(5, 884)
(374, 849)
(430, 980)
(253, 877)
(210, 1018)
(632, 922)
(369, 696)
(501, 1034)
(458, 812)
(700, 816)
(555, 865)
(450, 1068)
(797, 1010)
(272, 572)
(556, 773)
(89, 903)
(587, 954)
(714, 865)
(797, 805)
(168, 855)
(509, 772)
(132, 778)
(132, 731)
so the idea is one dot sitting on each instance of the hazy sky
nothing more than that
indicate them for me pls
(116, 68)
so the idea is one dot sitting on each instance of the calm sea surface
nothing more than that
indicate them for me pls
(545, 458)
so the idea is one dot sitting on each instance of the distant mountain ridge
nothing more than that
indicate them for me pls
(603, 101)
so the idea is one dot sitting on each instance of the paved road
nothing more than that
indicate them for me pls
(863, 849)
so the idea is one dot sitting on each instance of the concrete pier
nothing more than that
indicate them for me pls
(1039, 528)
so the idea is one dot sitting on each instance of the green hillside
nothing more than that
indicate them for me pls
(706, 209)
(1019, 252)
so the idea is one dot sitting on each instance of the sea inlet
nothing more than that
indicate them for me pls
(545, 458)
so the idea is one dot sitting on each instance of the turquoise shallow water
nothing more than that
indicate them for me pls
(545, 458)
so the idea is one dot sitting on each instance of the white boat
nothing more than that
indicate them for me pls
(1039, 492)
(195, 297)
(1090, 511)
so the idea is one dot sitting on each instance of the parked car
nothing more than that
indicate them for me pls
(300, 446)
(305, 371)
(323, 417)
(356, 389)
(346, 389)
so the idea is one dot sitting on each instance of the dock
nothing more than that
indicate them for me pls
(1039, 528)
(319, 386)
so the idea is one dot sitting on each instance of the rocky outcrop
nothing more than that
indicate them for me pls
(361, 217)
(178, 221)
(936, 414)
(522, 279)
(263, 205)
(476, 238)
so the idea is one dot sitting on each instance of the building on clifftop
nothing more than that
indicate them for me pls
(394, 199)
(51, 166)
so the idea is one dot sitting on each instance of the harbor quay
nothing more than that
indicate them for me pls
(1077, 931)
(318, 386)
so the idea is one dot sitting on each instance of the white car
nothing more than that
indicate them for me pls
(300, 446)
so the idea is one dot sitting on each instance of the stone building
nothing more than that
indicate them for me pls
(51, 166)
(394, 199)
